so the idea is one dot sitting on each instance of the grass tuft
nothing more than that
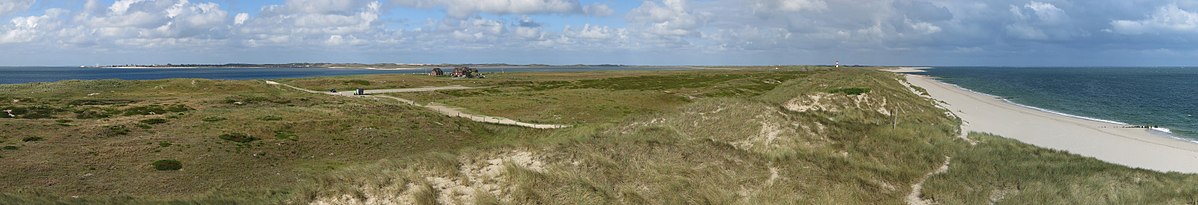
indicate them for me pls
(238, 137)
(167, 165)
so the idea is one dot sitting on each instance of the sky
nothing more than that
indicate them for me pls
(636, 32)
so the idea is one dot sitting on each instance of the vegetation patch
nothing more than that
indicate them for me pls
(153, 121)
(246, 99)
(850, 91)
(286, 135)
(164, 144)
(270, 118)
(9, 147)
(167, 165)
(30, 112)
(238, 137)
(115, 130)
(213, 119)
(356, 82)
(95, 113)
(32, 139)
(101, 102)
(156, 109)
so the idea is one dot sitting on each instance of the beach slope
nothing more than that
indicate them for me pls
(1134, 147)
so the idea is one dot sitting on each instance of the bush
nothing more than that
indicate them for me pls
(156, 109)
(285, 135)
(95, 113)
(34, 112)
(168, 165)
(154, 121)
(164, 144)
(10, 147)
(850, 91)
(31, 139)
(213, 119)
(238, 137)
(115, 130)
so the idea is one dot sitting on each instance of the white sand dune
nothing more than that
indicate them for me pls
(1134, 147)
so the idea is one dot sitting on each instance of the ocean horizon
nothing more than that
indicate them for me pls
(1132, 96)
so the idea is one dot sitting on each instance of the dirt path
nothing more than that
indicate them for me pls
(445, 110)
(917, 189)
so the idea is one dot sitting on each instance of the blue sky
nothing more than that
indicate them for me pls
(649, 32)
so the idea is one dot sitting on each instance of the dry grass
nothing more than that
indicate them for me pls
(661, 137)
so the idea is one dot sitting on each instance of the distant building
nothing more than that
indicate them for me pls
(465, 72)
(436, 72)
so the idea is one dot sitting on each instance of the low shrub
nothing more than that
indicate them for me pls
(167, 165)
(115, 130)
(286, 135)
(156, 109)
(153, 121)
(238, 137)
(32, 139)
(95, 113)
(213, 119)
(850, 91)
(10, 147)
(164, 144)
(101, 102)
(32, 112)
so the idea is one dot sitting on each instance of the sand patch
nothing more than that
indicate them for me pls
(474, 177)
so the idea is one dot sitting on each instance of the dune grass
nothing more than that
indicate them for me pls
(800, 135)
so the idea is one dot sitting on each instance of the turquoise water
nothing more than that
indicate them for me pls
(1152, 96)
(14, 75)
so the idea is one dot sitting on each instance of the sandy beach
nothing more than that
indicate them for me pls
(1134, 147)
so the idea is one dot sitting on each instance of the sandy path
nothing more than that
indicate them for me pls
(446, 110)
(915, 197)
(1134, 147)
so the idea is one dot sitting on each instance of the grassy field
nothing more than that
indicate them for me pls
(794, 135)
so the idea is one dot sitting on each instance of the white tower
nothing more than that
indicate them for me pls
(837, 63)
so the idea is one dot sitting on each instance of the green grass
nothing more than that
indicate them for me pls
(1009, 172)
(638, 137)
(850, 91)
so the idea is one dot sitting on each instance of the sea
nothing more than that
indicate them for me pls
(17, 75)
(1162, 97)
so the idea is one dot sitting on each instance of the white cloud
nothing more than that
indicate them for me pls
(240, 18)
(27, 29)
(12, 6)
(598, 9)
(1166, 19)
(1041, 21)
(300, 22)
(465, 8)
(791, 5)
(671, 18)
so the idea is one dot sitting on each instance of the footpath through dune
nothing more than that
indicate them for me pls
(445, 110)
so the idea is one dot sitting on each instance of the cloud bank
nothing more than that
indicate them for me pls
(938, 32)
